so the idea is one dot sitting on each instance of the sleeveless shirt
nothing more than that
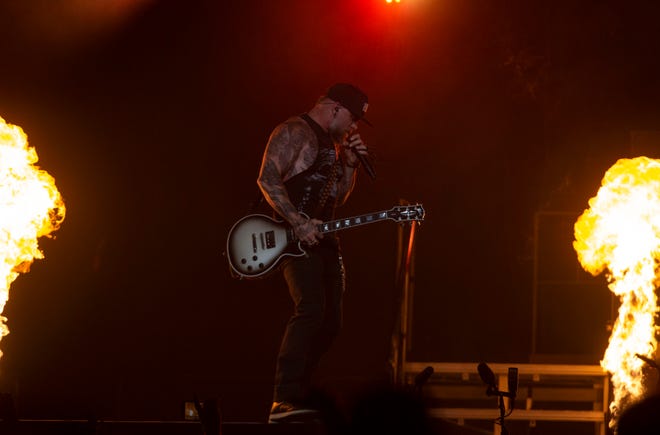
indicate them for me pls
(305, 189)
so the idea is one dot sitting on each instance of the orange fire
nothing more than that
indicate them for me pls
(30, 207)
(620, 233)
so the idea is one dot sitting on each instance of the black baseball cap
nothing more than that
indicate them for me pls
(352, 98)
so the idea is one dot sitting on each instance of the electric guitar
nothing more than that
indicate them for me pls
(256, 243)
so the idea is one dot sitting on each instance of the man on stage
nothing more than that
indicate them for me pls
(308, 169)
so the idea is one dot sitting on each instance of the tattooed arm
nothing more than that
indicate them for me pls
(290, 150)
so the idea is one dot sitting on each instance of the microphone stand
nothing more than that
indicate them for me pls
(488, 377)
(494, 391)
(505, 431)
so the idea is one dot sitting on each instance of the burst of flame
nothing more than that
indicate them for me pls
(620, 233)
(30, 207)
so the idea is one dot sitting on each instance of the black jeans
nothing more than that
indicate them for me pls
(316, 285)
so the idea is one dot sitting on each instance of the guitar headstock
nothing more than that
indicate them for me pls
(407, 213)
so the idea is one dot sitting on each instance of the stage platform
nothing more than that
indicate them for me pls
(82, 427)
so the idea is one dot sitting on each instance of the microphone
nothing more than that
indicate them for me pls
(488, 377)
(366, 164)
(512, 381)
(423, 376)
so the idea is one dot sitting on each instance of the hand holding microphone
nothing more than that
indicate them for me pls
(356, 146)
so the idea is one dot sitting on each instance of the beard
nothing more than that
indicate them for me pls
(338, 134)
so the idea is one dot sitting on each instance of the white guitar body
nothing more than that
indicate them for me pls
(256, 244)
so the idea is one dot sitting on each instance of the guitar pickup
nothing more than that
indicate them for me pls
(270, 239)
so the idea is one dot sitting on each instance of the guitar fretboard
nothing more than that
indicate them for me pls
(340, 224)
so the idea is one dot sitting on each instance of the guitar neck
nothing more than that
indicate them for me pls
(342, 224)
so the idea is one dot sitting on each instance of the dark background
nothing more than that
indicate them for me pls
(152, 116)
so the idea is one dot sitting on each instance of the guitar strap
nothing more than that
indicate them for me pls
(334, 170)
(332, 179)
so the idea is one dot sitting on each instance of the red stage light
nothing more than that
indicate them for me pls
(393, 1)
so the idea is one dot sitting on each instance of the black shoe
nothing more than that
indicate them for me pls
(286, 412)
